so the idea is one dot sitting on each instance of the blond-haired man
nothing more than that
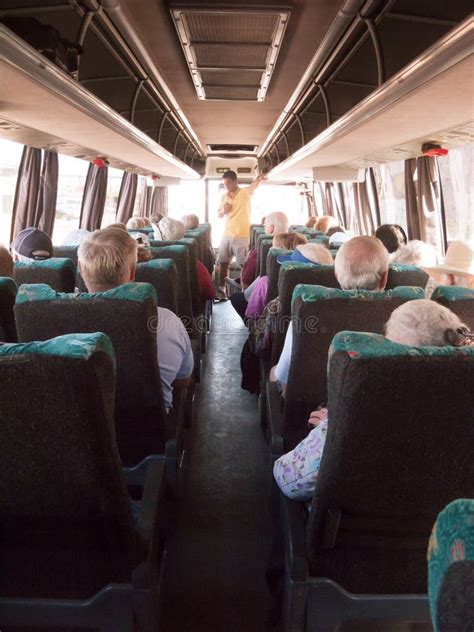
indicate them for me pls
(108, 259)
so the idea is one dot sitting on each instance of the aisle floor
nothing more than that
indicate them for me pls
(215, 573)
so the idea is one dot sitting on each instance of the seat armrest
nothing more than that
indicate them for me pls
(136, 476)
(294, 517)
(153, 491)
(275, 419)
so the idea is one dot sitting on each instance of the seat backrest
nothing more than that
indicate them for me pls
(262, 253)
(59, 274)
(66, 252)
(162, 274)
(67, 527)
(180, 256)
(193, 251)
(451, 567)
(203, 235)
(321, 240)
(255, 231)
(8, 290)
(291, 275)
(398, 449)
(318, 314)
(263, 244)
(459, 300)
(401, 274)
(273, 271)
(127, 315)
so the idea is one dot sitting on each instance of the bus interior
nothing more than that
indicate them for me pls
(360, 112)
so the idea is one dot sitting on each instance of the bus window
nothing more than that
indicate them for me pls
(457, 182)
(114, 180)
(71, 181)
(390, 180)
(10, 153)
(186, 198)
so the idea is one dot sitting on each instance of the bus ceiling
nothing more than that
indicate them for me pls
(158, 86)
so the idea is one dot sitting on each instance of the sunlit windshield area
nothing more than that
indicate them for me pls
(236, 316)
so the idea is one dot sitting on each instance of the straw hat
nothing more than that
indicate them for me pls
(308, 253)
(459, 259)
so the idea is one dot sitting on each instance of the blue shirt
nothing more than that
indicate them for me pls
(175, 355)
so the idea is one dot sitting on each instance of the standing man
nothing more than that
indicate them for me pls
(235, 207)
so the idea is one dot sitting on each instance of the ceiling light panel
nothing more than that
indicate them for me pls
(231, 54)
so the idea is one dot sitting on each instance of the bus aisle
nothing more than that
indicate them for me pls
(217, 554)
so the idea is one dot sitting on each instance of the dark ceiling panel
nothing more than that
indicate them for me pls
(232, 93)
(238, 27)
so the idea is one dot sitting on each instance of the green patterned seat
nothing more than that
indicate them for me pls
(71, 551)
(321, 240)
(273, 271)
(398, 449)
(318, 314)
(451, 568)
(162, 274)
(180, 255)
(126, 314)
(8, 290)
(59, 274)
(401, 274)
(459, 300)
(291, 274)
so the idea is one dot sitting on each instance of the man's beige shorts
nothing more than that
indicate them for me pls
(233, 247)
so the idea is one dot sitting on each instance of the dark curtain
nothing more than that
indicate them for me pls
(48, 193)
(127, 195)
(366, 216)
(145, 200)
(424, 201)
(27, 190)
(159, 201)
(93, 198)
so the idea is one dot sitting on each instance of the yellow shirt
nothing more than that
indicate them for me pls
(238, 220)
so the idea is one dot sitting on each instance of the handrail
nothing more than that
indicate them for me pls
(453, 48)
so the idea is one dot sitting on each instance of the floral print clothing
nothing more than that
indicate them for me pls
(297, 471)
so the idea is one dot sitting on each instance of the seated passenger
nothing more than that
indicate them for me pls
(392, 236)
(135, 223)
(107, 260)
(324, 223)
(191, 222)
(155, 218)
(311, 222)
(172, 230)
(415, 253)
(312, 253)
(361, 264)
(143, 246)
(31, 245)
(274, 224)
(76, 237)
(6, 262)
(457, 268)
(169, 229)
(415, 323)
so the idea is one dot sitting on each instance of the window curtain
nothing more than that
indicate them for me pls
(424, 203)
(366, 216)
(127, 195)
(145, 200)
(93, 198)
(48, 193)
(159, 201)
(331, 202)
(27, 191)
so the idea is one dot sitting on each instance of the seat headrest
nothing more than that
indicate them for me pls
(137, 292)
(75, 346)
(310, 293)
(362, 346)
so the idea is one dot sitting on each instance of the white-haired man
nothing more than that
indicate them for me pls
(361, 264)
(417, 323)
(108, 259)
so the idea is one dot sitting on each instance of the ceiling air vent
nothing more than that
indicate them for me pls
(239, 149)
(231, 53)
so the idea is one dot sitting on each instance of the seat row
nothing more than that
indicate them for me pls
(93, 457)
(387, 470)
